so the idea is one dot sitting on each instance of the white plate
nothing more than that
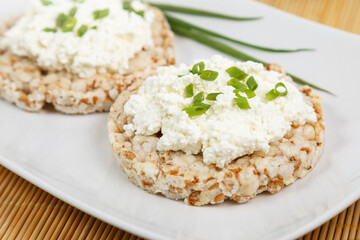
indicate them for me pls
(70, 157)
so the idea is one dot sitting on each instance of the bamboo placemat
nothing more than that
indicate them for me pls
(27, 212)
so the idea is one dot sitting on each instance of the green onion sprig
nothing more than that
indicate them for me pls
(200, 12)
(179, 22)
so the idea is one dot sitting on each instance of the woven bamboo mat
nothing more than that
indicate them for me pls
(27, 212)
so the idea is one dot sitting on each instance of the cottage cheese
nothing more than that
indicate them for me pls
(117, 39)
(225, 132)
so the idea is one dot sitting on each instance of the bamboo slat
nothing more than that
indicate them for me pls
(26, 212)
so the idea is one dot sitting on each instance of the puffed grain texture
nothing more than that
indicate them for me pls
(23, 83)
(180, 176)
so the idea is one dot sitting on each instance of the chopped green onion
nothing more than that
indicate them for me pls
(235, 72)
(127, 5)
(101, 14)
(141, 13)
(251, 83)
(237, 94)
(94, 27)
(201, 38)
(280, 85)
(198, 68)
(199, 97)
(60, 20)
(242, 103)
(69, 24)
(197, 109)
(82, 30)
(200, 12)
(209, 75)
(46, 2)
(236, 84)
(249, 93)
(54, 30)
(72, 12)
(212, 96)
(189, 90)
(272, 94)
(78, 1)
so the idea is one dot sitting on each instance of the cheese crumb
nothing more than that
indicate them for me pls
(225, 132)
(107, 46)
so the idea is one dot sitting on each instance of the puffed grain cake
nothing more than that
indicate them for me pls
(180, 176)
(25, 84)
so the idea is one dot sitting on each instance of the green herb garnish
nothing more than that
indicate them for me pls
(202, 38)
(276, 92)
(242, 103)
(60, 20)
(94, 27)
(189, 90)
(237, 94)
(46, 2)
(72, 12)
(272, 94)
(200, 12)
(54, 30)
(213, 96)
(278, 87)
(127, 6)
(69, 24)
(99, 14)
(236, 84)
(251, 83)
(249, 93)
(197, 109)
(198, 68)
(236, 72)
(209, 75)
(82, 30)
(199, 97)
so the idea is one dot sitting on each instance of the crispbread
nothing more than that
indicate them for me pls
(22, 82)
(180, 176)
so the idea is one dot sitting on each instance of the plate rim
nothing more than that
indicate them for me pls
(143, 232)
(132, 228)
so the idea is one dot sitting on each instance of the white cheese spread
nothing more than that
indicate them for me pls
(107, 48)
(224, 132)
